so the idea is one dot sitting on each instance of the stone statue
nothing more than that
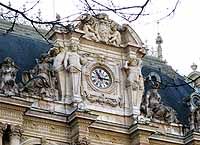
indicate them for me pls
(90, 29)
(115, 37)
(194, 119)
(73, 64)
(134, 83)
(41, 80)
(8, 72)
(153, 108)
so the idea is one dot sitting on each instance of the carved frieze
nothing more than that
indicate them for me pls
(50, 129)
(10, 115)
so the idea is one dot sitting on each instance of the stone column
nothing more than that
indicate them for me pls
(15, 135)
(2, 128)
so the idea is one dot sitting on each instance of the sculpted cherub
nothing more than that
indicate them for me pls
(90, 29)
(115, 37)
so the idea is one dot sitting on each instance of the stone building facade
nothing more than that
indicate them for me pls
(94, 86)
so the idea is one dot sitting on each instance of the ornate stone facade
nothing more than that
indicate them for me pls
(89, 89)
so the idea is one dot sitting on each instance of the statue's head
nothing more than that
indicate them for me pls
(8, 62)
(74, 46)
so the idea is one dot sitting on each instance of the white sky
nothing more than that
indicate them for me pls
(180, 32)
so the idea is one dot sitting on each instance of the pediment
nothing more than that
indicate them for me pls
(101, 28)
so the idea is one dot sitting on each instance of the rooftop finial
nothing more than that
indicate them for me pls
(194, 67)
(159, 41)
(24, 7)
(9, 4)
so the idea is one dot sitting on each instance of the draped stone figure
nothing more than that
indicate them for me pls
(73, 64)
(134, 83)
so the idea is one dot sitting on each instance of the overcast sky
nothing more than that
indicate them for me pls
(180, 32)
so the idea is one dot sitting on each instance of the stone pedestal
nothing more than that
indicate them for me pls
(15, 135)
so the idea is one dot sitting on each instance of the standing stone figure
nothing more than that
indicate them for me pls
(8, 72)
(73, 63)
(134, 83)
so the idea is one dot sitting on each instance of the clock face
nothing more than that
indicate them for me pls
(101, 78)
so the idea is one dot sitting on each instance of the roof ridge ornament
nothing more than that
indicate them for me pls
(194, 66)
(159, 41)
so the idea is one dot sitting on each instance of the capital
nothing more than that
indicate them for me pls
(16, 130)
(83, 141)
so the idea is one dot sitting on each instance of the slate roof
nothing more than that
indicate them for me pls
(22, 49)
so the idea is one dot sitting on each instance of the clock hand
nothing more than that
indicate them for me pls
(105, 79)
(98, 74)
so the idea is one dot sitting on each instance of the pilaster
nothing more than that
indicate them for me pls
(80, 123)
